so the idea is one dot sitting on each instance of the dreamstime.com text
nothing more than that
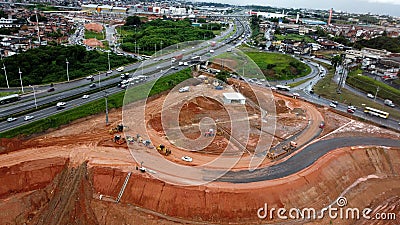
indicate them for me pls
(331, 212)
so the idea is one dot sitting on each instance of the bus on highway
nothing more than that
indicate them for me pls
(376, 112)
(9, 98)
(283, 87)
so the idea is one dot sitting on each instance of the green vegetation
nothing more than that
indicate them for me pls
(2, 94)
(277, 66)
(48, 64)
(369, 85)
(294, 37)
(326, 88)
(98, 106)
(383, 42)
(149, 35)
(91, 34)
(295, 84)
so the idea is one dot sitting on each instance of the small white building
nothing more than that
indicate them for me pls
(234, 98)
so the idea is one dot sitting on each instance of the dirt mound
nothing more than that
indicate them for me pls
(94, 27)
(70, 203)
(92, 42)
(281, 107)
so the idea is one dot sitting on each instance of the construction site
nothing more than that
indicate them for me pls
(213, 154)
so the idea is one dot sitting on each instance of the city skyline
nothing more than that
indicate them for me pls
(381, 7)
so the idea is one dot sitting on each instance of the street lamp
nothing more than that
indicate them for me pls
(108, 56)
(66, 61)
(5, 74)
(161, 46)
(106, 99)
(34, 94)
(99, 78)
(20, 79)
(135, 47)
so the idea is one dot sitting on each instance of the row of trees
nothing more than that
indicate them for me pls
(48, 64)
(151, 34)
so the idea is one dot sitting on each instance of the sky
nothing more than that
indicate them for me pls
(382, 7)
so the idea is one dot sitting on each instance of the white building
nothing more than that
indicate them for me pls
(234, 98)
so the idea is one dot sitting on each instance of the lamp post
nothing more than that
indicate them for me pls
(66, 61)
(5, 74)
(106, 99)
(99, 78)
(20, 79)
(161, 46)
(34, 94)
(108, 56)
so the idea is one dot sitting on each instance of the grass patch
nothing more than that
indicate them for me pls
(277, 66)
(98, 106)
(370, 85)
(295, 84)
(91, 34)
(294, 37)
(2, 94)
(326, 88)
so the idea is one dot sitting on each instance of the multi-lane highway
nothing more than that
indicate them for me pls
(76, 89)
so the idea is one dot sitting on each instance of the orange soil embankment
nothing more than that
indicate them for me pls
(29, 175)
(317, 187)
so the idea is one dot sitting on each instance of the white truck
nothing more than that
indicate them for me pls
(388, 102)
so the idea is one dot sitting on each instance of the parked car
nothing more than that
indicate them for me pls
(28, 117)
(11, 119)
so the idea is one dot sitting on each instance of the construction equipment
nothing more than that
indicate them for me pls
(119, 140)
(292, 145)
(118, 128)
(163, 150)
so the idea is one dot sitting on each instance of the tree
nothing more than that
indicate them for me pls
(223, 75)
(336, 60)
(133, 20)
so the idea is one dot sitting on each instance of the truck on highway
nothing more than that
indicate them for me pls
(388, 102)
(283, 87)
(177, 57)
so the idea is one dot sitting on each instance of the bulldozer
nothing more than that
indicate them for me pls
(163, 150)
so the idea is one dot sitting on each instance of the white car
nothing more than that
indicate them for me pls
(109, 72)
(369, 95)
(85, 96)
(187, 159)
(28, 118)
(89, 77)
(11, 119)
(333, 104)
(60, 104)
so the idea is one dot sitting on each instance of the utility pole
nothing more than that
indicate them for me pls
(66, 61)
(5, 74)
(161, 47)
(20, 79)
(135, 47)
(108, 56)
(106, 99)
(155, 50)
(34, 94)
(376, 93)
(99, 78)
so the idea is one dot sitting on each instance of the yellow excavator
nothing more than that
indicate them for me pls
(163, 150)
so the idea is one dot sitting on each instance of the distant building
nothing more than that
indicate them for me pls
(234, 98)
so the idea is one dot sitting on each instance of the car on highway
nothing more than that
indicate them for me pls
(333, 104)
(109, 72)
(50, 89)
(349, 110)
(89, 77)
(369, 95)
(352, 107)
(85, 96)
(28, 117)
(92, 85)
(11, 119)
(187, 159)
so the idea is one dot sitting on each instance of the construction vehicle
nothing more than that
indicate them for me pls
(292, 145)
(177, 57)
(118, 128)
(119, 140)
(163, 150)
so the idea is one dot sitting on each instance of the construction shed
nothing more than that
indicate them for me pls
(234, 98)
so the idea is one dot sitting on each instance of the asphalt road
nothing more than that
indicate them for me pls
(302, 160)
(79, 86)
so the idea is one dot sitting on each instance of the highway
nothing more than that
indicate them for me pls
(79, 87)
(302, 159)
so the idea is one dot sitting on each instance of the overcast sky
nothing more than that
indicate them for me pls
(386, 7)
